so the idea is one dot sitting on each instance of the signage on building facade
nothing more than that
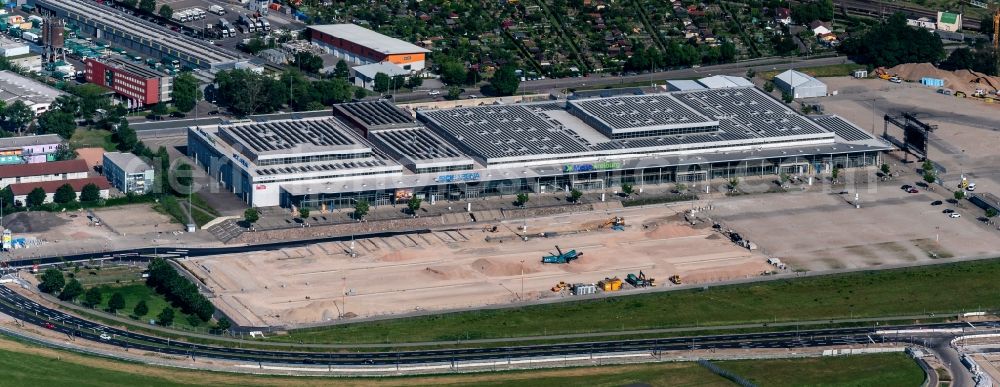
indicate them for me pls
(591, 167)
(471, 176)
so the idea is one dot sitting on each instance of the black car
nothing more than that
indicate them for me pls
(947, 211)
(213, 112)
(937, 203)
(906, 187)
(178, 115)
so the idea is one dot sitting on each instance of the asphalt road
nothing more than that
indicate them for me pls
(30, 312)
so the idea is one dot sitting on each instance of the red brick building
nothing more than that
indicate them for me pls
(137, 84)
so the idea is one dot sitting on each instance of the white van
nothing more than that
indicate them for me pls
(971, 187)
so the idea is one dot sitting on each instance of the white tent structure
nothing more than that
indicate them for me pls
(800, 85)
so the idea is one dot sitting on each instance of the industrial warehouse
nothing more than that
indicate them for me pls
(378, 152)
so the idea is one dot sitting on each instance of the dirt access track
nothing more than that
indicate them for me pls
(461, 269)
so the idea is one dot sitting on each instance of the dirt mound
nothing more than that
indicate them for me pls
(966, 81)
(33, 222)
(500, 269)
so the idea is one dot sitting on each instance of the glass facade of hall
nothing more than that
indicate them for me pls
(596, 180)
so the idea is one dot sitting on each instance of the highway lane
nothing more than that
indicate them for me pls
(30, 312)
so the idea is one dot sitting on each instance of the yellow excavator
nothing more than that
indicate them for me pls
(613, 222)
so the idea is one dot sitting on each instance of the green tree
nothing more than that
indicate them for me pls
(930, 176)
(92, 297)
(116, 303)
(835, 174)
(927, 166)
(575, 195)
(414, 82)
(166, 316)
(163, 173)
(505, 81)
(452, 72)
(381, 83)
(52, 280)
(959, 195)
(893, 42)
(627, 189)
(90, 193)
(414, 205)
(187, 92)
(166, 11)
(147, 6)
(728, 53)
(303, 213)
(125, 137)
(251, 215)
(18, 116)
(308, 62)
(128, 3)
(991, 212)
(65, 194)
(6, 197)
(885, 169)
(769, 86)
(65, 152)
(360, 93)
(361, 209)
(223, 324)
(140, 309)
(397, 82)
(453, 93)
(57, 122)
(159, 109)
(341, 70)
(787, 97)
(67, 103)
(184, 175)
(71, 291)
(36, 197)
(521, 199)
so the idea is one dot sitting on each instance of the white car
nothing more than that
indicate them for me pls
(105, 336)
(954, 215)
(434, 92)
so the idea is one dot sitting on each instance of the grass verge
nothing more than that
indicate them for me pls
(29, 365)
(895, 369)
(941, 289)
(154, 301)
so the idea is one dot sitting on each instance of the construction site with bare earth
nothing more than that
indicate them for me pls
(472, 267)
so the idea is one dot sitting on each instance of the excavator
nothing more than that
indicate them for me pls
(617, 222)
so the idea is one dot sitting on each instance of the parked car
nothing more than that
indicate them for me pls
(955, 215)
(912, 190)
(906, 187)
(50, 326)
(105, 336)
(948, 211)
(937, 203)
(434, 92)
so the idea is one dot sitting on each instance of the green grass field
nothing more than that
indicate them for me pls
(136, 292)
(874, 370)
(84, 138)
(933, 289)
(28, 365)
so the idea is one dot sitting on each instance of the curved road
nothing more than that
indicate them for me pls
(28, 311)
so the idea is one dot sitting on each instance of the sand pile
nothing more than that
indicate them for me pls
(966, 81)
